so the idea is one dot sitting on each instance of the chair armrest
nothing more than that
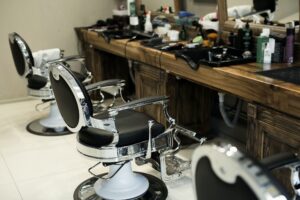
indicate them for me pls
(67, 58)
(106, 83)
(138, 103)
(280, 160)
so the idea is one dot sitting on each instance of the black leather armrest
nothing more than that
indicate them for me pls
(139, 103)
(106, 83)
(280, 160)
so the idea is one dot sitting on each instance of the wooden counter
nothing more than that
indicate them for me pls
(239, 80)
(273, 112)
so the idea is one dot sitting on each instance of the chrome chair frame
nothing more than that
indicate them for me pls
(53, 123)
(111, 153)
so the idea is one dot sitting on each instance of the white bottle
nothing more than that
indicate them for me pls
(148, 24)
(269, 50)
(267, 54)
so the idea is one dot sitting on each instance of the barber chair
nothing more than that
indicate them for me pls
(115, 137)
(34, 67)
(221, 171)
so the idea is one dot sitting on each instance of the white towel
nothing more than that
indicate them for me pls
(43, 56)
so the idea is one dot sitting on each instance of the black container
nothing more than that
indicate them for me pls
(277, 56)
(213, 57)
(244, 38)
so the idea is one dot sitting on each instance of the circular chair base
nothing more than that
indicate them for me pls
(36, 128)
(157, 189)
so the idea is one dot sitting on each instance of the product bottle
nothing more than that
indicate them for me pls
(183, 33)
(289, 45)
(269, 50)
(129, 3)
(133, 18)
(232, 40)
(148, 24)
(261, 43)
(277, 56)
(142, 17)
(244, 38)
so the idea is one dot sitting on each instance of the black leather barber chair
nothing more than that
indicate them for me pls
(115, 137)
(34, 67)
(221, 171)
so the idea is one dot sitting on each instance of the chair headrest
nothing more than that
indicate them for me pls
(72, 98)
(221, 171)
(21, 53)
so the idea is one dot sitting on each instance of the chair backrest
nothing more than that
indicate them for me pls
(71, 96)
(21, 53)
(221, 171)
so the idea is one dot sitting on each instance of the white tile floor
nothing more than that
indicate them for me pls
(49, 168)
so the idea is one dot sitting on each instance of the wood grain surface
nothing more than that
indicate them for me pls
(239, 80)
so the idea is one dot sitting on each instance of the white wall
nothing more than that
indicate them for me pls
(201, 7)
(156, 4)
(283, 9)
(43, 24)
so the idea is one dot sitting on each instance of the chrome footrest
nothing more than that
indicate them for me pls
(176, 165)
(172, 167)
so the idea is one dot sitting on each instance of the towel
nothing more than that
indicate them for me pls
(43, 56)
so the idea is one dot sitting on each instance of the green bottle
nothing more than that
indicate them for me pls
(261, 43)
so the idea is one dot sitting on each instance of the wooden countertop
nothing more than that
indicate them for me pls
(239, 80)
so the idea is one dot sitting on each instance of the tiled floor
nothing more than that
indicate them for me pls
(49, 168)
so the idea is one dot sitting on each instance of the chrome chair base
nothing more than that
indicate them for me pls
(36, 128)
(157, 189)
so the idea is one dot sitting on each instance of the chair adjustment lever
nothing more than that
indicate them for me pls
(149, 147)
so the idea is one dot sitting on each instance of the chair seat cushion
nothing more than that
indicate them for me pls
(132, 126)
(36, 82)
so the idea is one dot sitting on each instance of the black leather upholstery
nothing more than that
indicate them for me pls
(132, 126)
(66, 101)
(210, 186)
(17, 54)
(36, 82)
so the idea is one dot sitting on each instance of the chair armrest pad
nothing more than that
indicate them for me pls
(106, 83)
(279, 160)
(139, 103)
